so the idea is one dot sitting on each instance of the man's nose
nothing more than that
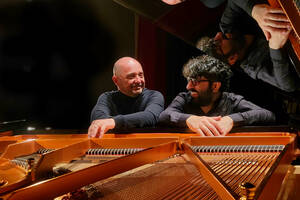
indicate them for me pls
(219, 36)
(137, 79)
(189, 85)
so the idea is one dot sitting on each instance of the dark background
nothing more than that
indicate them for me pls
(56, 58)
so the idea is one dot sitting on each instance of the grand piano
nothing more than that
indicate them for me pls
(249, 163)
(244, 165)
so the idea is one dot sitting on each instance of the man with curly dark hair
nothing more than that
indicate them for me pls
(207, 108)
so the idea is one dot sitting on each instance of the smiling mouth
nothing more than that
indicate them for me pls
(137, 86)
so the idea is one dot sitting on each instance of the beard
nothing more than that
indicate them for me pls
(203, 99)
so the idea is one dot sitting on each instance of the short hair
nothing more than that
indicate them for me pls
(211, 68)
(114, 70)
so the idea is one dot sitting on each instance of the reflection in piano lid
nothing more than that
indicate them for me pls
(174, 18)
(292, 11)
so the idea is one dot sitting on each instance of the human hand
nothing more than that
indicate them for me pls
(100, 126)
(204, 126)
(270, 19)
(278, 39)
(225, 124)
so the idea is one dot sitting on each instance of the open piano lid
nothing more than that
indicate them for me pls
(292, 11)
(183, 20)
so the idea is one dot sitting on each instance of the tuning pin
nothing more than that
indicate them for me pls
(248, 191)
(30, 163)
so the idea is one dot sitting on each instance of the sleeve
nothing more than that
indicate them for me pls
(236, 16)
(174, 114)
(247, 113)
(146, 118)
(102, 109)
(281, 75)
(246, 5)
(232, 14)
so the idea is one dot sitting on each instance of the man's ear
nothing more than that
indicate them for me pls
(232, 59)
(216, 86)
(115, 79)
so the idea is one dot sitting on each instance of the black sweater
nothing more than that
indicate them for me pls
(241, 111)
(129, 112)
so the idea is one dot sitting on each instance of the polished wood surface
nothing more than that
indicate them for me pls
(293, 13)
(30, 183)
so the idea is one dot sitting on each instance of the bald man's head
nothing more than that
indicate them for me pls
(128, 76)
(124, 62)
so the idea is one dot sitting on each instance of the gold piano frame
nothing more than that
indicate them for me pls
(18, 183)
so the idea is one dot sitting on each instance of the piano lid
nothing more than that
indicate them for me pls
(192, 19)
(188, 20)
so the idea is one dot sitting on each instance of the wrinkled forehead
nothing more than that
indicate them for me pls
(129, 67)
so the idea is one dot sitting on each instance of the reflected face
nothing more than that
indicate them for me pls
(200, 90)
(223, 43)
(229, 45)
(129, 78)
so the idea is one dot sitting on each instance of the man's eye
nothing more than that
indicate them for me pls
(130, 77)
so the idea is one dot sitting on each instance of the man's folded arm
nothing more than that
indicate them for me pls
(247, 113)
(174, 114)
(147, 118)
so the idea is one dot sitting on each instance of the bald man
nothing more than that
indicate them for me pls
(131, 106)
